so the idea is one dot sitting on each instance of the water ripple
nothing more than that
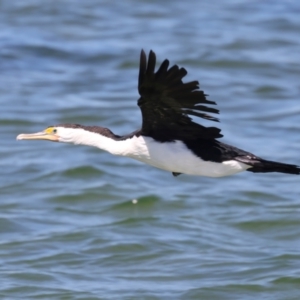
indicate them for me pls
(77, 223)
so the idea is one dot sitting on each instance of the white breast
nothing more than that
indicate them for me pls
(176, 157)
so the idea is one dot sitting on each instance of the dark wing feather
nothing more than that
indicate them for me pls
(166, 103)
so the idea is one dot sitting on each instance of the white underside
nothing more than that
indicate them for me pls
(169, 156)
(176, 157)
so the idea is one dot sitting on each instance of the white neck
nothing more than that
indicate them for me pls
(80, 136)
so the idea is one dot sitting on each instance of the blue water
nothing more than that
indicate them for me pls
(78, 223)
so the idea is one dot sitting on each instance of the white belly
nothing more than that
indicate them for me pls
(176, 157)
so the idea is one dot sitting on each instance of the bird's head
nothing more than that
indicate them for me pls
(95, 136)
(52, 133)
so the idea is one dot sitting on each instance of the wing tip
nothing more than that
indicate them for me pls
(143, 67)
(143, 57)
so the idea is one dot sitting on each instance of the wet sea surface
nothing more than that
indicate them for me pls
(78, 223)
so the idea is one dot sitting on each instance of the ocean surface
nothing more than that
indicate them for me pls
(79, 223)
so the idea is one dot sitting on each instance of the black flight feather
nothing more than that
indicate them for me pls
(167, 103)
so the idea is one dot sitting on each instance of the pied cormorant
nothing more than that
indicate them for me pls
(168, 139)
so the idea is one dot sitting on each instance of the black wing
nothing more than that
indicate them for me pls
(166, 103)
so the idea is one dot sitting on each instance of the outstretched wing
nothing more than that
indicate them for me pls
(167, 103)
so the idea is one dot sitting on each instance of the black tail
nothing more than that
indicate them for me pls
(259, 165)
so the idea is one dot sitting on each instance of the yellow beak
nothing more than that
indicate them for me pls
(38, 136)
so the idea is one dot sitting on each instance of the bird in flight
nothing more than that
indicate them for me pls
(168, 139)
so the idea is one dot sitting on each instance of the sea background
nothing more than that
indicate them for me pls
(78, 223)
